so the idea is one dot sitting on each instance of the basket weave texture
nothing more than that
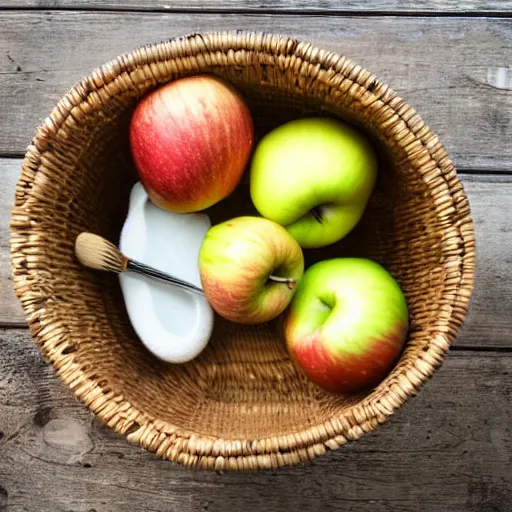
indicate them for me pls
(242, 404)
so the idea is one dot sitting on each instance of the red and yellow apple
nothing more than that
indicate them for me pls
(249, 268)
(191, 140)
(347, 324)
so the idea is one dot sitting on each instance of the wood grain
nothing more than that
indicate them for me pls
(489, 322)
(446, 450)
(10, 308)
(331, 6)
(439, 65)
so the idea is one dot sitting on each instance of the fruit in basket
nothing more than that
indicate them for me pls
(314, 176)
(250, 267)
(347, 324)
(191, 140)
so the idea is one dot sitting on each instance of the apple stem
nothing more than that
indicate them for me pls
(288, 280)
(317, 214)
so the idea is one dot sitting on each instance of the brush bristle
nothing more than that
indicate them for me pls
(93, 251)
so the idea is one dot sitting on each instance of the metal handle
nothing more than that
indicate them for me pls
(141, 268)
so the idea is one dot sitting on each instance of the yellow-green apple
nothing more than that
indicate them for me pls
(314, 176)
(347, 324)
(191, 140)
(249, 268)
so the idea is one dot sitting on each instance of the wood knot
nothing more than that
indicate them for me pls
(4, 496)
(43, 416)
(65, 440)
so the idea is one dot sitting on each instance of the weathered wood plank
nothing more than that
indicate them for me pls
(445, 67)
(331, 6)
(489, 322)
(447, 449)
(10, 308)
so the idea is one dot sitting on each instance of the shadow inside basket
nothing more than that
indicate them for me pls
(244, 383)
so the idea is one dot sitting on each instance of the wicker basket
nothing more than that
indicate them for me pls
(242, 404)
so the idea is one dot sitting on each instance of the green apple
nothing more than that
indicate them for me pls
(314, 176)
(347, 324)
(249, 268)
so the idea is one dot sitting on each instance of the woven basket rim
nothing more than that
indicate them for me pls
(205, 451)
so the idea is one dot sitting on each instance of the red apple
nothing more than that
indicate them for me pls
(191, 140)
(347, 324)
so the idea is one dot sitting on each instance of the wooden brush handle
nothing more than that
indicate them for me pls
(140, 268)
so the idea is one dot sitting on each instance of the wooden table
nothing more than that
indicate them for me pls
(450, 448)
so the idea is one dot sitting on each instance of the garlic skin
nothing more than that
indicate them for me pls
(174, 324)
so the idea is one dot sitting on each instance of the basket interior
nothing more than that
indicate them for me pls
(243, 386)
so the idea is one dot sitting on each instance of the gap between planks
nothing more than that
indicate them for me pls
(328, 7)
(268, 11)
